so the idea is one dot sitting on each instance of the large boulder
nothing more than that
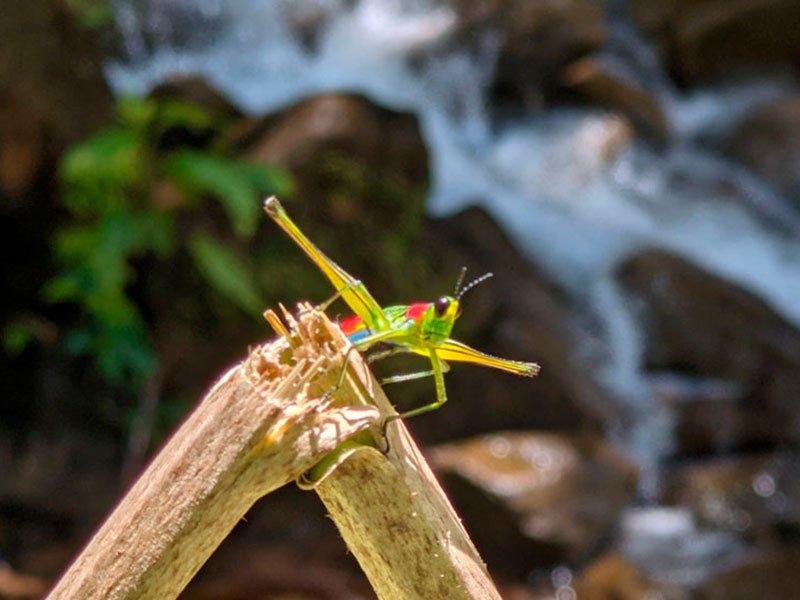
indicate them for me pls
(698, 324)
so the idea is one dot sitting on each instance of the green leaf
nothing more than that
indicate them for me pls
(126, 233)
(96, 172)
(203, 173)
(125, 352)
(64, 287)
(113, 153)
(17, 335)
(179, 113)
(136, 114)
(78, 342)
(91, 14)
(226, 273)
(121, 352)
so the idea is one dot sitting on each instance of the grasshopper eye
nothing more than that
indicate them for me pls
(441, 305)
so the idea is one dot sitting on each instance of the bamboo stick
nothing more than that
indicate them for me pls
(400, 526)
(261, 426)
(266, 423)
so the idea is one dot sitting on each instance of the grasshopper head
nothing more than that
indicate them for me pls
(442, 313)
(447, 308)
(440, 317)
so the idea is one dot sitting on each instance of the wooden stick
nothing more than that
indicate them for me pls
(262, 425)
(398, 523)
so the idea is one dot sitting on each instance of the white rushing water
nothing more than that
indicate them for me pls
(541, 176)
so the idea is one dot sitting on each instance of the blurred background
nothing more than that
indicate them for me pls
(630, 171)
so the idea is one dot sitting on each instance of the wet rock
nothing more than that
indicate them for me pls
(708, 38)
(601, 84)
(700, 325)
(196, 90)
(768, 575)
(766, 140)
(307, 20)
(536, 41)
(668, 545)
(711, 416)
(613, 577)
(339, 123)
(533, 498)
(748, 494)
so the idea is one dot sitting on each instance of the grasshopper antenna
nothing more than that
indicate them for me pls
(459, 281)
(471, 284)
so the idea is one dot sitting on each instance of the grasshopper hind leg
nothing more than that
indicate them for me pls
(438, 369)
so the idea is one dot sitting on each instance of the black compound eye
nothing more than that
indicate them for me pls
(441, 305)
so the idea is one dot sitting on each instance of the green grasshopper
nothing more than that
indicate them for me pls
(421, 328)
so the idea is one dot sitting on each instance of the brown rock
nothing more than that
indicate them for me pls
(55, 492)
(706, 38)
(768, 575)
(344, 124)
(594, 81)
(538, 39)
(700, 325)
(361, 173)
(278, 572)
(53, 69)
(613, 577)
(196, 90)
(768, 141)
(23, 140)
(19, 586)
(52, 93)
(519, 591)
(751, 494)
(531, 498)
(712, 415)
(713, 425)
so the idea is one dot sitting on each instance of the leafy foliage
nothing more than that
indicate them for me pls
(118, 218)
(225, 272)
(91, 14)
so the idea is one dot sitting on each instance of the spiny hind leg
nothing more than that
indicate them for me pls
(394, 351)
(414, 375)
(438, 369)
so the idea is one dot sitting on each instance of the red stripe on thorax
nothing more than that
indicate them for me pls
(415, 311)
(350, 324)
